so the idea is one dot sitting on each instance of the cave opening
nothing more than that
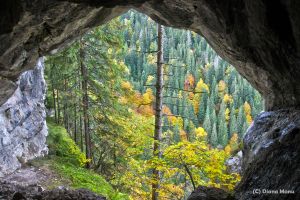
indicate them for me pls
(250, 35)
(205, 102)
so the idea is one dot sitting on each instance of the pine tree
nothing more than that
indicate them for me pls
(244, 129)
(233, 122)
(207, 125)
(202, 108)
(241, 119)
(214, 136)
(222, 126)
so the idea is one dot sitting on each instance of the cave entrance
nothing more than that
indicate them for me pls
(205, 102)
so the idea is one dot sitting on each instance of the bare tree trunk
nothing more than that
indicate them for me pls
(190, 175)
(158, 112)
(75, 124)
(58, 107)
(54, 102)
(81, 135)
(64, 106)
(84, 74)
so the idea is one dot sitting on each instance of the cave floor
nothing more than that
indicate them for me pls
(36, 173)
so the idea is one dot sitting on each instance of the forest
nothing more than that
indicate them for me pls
(154, 109)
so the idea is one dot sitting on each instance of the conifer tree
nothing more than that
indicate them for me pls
(233, 122)
(207, 124)
(202, 108)
(214, 136)
(240, 121)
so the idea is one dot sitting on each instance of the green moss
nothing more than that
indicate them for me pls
(83, 178)
(60, 144)
(67, 160)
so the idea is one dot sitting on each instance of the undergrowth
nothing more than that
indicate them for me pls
(66, 159)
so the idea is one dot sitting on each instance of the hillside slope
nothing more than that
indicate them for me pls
(58, 174)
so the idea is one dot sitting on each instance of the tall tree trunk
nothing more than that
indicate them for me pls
(85, 103)
(66, 108)
(158, 112)
(58, 107)
(54, 102)
(75, 123)
(81, 134)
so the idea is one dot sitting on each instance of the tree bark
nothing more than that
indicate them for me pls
(158, 112)
(81, 134)
(58, 107)
(75, 124)
(54, 102)
(190, 175)
(85, 105)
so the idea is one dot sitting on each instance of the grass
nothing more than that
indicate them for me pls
(67, 161)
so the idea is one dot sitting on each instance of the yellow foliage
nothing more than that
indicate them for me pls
(191, 79)
(227, 114)
(221, 86)
(228, 149)
(123, 100)
(200, 87)
(191, 95)
(177, 121)
(233, 144)
(123, 67)
(180, 95)
(200, 133)
(200, 159)
(249, 119)
(207, 66)
(234, 138)
(149, 79)
(126, 85)
(146, 110)
(183, 135)
(228, 98)
(166, 111)
(170, 191)
(148, 97)
(247, 108)
(151, 59)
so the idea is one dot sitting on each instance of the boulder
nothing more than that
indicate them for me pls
(234, 163)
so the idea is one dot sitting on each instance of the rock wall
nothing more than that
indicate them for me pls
(23, 127)
(271, 157)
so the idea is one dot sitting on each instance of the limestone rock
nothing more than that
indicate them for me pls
(23, 127)
(234, 163)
